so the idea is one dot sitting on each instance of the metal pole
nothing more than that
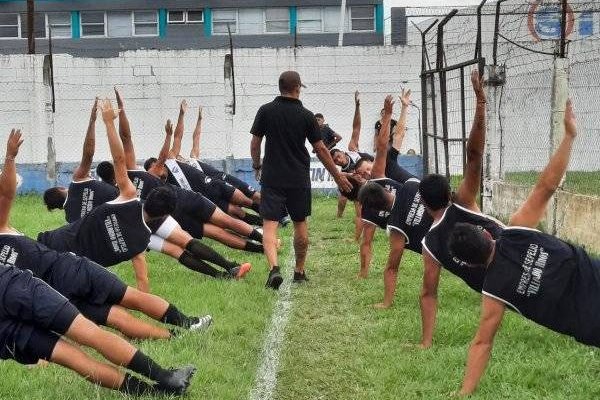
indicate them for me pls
(563, 29)
(232, 69)
(30, 25)
(342, 24)
(478, 41)
(424, 120)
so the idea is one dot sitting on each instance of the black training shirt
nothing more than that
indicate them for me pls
(286, 124)
(84, 196)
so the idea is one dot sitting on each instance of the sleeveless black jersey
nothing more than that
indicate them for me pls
(393, 170)
(353, 157)
(436, 242)
(212, 171)
(380, 217)
(408, 215)
(84, 196)
(198, 180)
(144, 182)
(25, 253)
(110, 234)
(547, 281)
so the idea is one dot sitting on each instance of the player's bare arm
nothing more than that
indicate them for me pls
(390, 274)
(195, 152)
(163, 155)
(8, 177)
(428, 298)
(356, 123)
(378, 170)
(532, 211)
(255, 149)
(125, 132)
(323, 155)
(400, 129)
(178, 136)
(82, 171)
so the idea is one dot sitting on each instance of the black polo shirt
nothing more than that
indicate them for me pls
(286, 124)
(328, 136)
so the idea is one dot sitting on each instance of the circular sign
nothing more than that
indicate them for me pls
(544, 21)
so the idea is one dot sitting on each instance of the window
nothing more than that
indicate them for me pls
(222, 18)
(195, 16)
(145, 23)
(277, 20)
(118, 23)
(39, 25)
(60, 24)
(92, 23)
(310, 20)
(9, 26)
(331, 20)
(362, 18)
(176, 17)
(185, 17)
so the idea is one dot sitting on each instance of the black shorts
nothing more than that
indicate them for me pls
(239, 184)
(192, 205)
(275, 202)
(192, 226)
(25, 343)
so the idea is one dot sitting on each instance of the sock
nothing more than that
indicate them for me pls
(255, 207)
(256, 236)
(203, 252)
(252, 219)
(175, 317)
(133, 386)
(254, 247)
(188, 260)
(144, 365)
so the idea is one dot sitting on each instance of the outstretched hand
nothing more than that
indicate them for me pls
(183, 107)
(405, 98)
(570, 120)
(13, 143)
(357, 98)
(108, 112)
(388, 106)
(477, 82)
(169, 128)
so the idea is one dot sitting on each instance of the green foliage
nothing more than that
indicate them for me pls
(580, 182)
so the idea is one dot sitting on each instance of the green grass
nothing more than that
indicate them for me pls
(575, 182)
(336, 345)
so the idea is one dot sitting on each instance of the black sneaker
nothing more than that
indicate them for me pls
(300, 277)
(283, 222)
(274, 280)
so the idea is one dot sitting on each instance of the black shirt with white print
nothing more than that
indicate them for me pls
(112, 233)
(84, 196)
(22, 252)
(436, 242)
(144, 182)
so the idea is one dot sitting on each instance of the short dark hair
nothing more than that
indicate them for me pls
(319, 115)
(54, 198)
(334, 150)
(435, 191)
(160, 202)
(106, 171)
(288, 81)
(361, 161)
(372, 195)
(352, 195)
(148, 163)
(468, 243)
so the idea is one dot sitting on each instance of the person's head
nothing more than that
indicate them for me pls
(471, 244)
(106, 171)
(340, 158)
(152, 166)
(363, 167)
(54, 198)
(290, 84)
(160, 202)
(374, 196)
(411, 152)
(435, 192)
(357, 182)
(320, 119)
(382, 112)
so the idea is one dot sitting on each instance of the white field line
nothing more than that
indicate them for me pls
(266, 375)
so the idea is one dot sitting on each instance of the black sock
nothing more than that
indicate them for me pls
(252, 219)
(133, 386)
(175, 317)
(194, 264)
(144, 365)
(256, 236)
(203, 252)
(255, 207)
(254, 247)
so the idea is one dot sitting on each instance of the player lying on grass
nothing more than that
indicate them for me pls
(84, 193)
(179, 173)
(447, 211)
(541, 277)
(394, 206)
(98, 294)
(33, 316)
(119, 230)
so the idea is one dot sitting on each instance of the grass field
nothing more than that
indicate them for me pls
(336, 345)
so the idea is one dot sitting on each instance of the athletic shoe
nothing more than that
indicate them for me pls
(202, 324)
(274, 280)
(239, 272)
(178, 380)
(283, 222)
(300, 277)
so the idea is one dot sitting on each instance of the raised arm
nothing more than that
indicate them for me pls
(492, 312)
(125, 133)
(378, 170)
(82, 172)
(356, 122)
(400, 129)
(466, 194)
(126, 189)
(8, 177)
(176, 148)
(195, 152)
(531, 212)
(164, 151)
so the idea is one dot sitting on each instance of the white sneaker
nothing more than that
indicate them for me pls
(202, 324)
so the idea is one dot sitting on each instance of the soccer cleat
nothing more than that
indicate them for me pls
(178, 380)
(202, 324)
(275, 279)
(300, 277)
(240, 271)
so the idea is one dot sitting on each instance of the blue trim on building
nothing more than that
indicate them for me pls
(207, 22)
(75, 26)
(293, 19)
(379, 18)
(162, 22)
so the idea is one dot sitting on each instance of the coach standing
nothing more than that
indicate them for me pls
(284, 173)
